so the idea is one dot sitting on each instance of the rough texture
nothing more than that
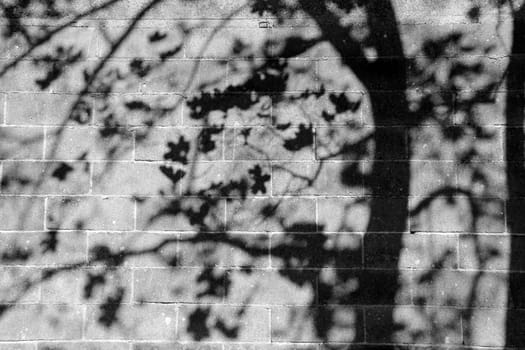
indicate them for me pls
(229, 179)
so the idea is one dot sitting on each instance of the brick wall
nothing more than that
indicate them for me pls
(198, 174)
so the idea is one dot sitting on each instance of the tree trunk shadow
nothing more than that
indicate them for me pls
(515, 172)
(389, 179)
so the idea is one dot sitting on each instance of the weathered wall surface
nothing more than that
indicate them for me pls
(209, 181)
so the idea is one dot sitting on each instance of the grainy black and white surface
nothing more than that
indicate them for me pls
(262, 174)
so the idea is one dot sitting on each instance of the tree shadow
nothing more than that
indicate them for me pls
(274, 182)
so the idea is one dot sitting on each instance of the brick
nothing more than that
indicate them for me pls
(271, 287)
(155, 144)
(494, 248)
(342, 142)
(274, 346)
(24, 77)
(485, 180)
(361, 287)
(381, 323)
(294, 178)
(443, 288)
(246, 31)
(74, 287)
(385, 214)
(121, 74)
(172, 10)
(138, 44)
(45, 178)
(176, 346)
(137, 248)
(381, 99)
(301, 325)
(19, 285)
(69, 37)
(342, 215)
(292, 76)
(17, 346)
(283, 33)
(302, 75)
(243, 109)
(21, 213)
(304, 250)
(515, 320)
(21, 143)
(391, 178)
(41, 322)
(176, 288)
(88, 143)
(234, 180)
(39, 109)
(427, 143)
(138, 109)
(130, 178)
(90, 213)
(440, 214)
(410, 251)
(429, 251)
(138, 322)
(154, 214)
(288, 214)
(199, 324)
(234, 252)
(267, 143)
(336, 76)
(28, 248)
(428, 177)
(334, 109)
(186, 76)
(487, 327)
(83, 346)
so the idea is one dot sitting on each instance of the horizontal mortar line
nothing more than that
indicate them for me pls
(297, 196)
(98, 94)
(237, 269)
(193, 92)
(102, 18)
(312, 161)
(363, 307)
(211, 57)
(190, 232)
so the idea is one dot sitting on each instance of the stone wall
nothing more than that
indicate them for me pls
(204, 174)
